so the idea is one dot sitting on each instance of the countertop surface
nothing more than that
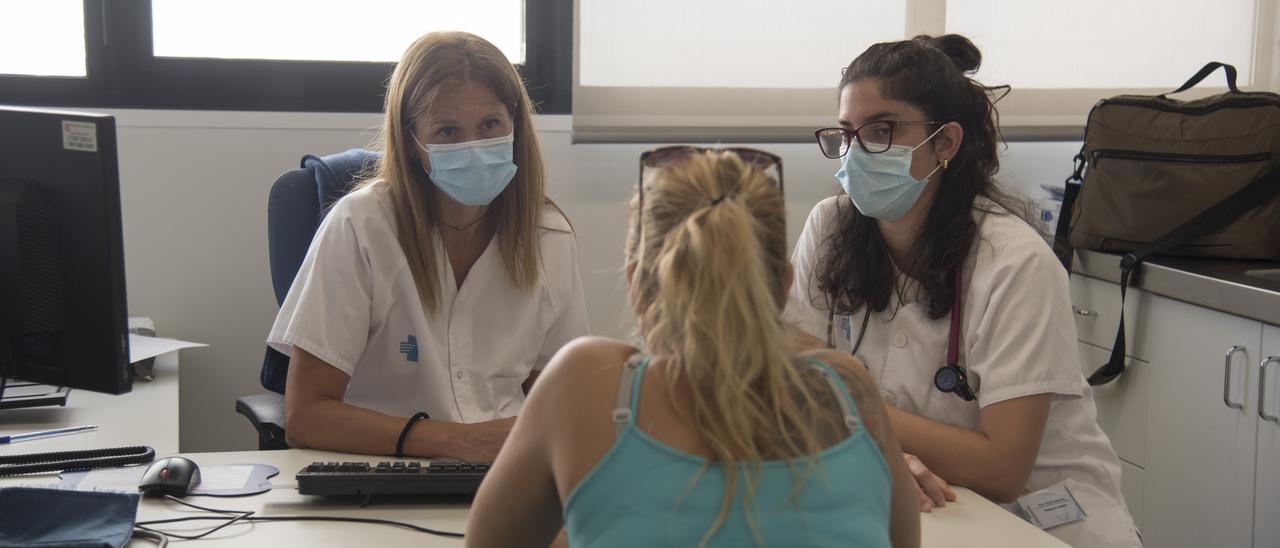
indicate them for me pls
(1250, 289)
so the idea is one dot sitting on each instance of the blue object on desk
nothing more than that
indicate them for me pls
(47, 433)
(53, 517)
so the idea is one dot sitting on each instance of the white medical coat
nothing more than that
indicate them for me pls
(354, 305)
(1019, 339)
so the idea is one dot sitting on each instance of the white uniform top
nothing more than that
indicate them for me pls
(355, 306)
(1019, 339)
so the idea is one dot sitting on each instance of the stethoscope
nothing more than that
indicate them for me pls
(950, 378)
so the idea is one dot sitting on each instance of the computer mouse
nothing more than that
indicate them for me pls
(170, 476)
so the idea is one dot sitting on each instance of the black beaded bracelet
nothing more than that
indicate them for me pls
(405, 433)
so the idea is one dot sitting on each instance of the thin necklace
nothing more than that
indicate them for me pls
(460, 228)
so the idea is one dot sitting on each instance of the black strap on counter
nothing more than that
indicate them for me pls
(1254, 194)
(111, 457)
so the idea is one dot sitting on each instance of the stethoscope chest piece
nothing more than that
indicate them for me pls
(952, 379)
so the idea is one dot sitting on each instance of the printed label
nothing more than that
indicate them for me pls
(1049, 508)
(80, 136)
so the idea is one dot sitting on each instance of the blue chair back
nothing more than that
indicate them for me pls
(298, 201)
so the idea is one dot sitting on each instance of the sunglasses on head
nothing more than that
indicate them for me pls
(670, 155)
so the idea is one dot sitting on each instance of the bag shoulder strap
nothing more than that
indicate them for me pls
(1070, 190)
(1254, 194)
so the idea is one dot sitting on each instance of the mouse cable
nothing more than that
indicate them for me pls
(241, 516)
(161, 539)
(339, 519)
(234, 516)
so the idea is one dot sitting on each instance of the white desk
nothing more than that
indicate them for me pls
(148, 415)
(971, 521)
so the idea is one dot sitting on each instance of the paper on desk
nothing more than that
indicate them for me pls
(109, 479)
(142, 347)
(222, 478)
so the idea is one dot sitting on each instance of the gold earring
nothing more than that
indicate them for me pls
(944, 164)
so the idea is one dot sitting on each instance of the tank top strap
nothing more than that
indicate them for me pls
(847, 406)
(629, 391)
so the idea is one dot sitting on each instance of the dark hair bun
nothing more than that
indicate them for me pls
(962, 52)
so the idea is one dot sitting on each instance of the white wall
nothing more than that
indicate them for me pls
(194, 188)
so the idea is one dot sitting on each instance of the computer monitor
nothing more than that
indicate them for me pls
(63, 316)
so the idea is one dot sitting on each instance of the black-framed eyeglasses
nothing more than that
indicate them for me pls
(874, 137)
(669, 155)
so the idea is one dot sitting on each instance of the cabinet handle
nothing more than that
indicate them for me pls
(1226, 378)
(1262, 389)
(1082, 312)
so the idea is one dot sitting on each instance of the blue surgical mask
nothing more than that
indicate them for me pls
(881, 185)
(472, 173)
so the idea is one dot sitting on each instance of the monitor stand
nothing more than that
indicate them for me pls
(19, 394)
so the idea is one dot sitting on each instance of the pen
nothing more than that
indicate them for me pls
(46, 433)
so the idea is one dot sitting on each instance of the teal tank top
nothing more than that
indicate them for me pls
(639, 494)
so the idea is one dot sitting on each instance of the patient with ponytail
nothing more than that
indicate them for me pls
(716, 432)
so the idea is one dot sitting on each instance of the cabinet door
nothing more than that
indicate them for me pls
(1122, 414)
(1122, 404)
(1199, 478)
(1266, 518)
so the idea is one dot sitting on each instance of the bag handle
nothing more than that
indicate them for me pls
(1258, 192)
(1206, 71)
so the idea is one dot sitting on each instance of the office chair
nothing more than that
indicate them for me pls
(298, 201)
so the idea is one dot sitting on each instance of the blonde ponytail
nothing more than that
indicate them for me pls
(711, 265)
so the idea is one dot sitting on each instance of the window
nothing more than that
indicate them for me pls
(728, 43)
(756, 70)
(289, 55)
(326, 30)
(50, 35)
(1104, 44)
(744, 70)
(1085, 50)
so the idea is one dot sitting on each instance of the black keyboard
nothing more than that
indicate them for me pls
(391, 478)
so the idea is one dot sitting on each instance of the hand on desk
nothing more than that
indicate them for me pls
(932, 489)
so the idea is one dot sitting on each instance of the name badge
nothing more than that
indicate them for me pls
(1049, 508)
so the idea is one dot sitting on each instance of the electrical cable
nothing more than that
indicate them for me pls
(238, 517)
(59, 461)
(160, 539)
(249, 517)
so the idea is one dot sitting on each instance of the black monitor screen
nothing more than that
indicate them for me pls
(63, 316)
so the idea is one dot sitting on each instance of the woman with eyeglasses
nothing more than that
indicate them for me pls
(434, 293)
(927, 272)
(718, 434)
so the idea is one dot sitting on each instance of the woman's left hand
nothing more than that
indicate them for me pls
(932, 489)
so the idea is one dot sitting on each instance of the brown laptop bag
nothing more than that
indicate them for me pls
(1163, 176)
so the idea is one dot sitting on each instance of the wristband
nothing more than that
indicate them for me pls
(405, 433)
